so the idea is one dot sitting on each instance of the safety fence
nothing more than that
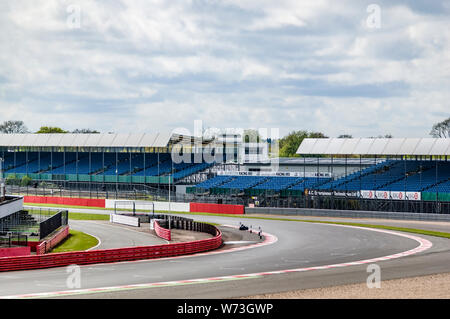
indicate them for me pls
(164, 224)
(162, 232)
(53, 223)
(111, 255)
(47, 245)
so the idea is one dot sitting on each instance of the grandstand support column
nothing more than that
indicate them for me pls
(345, 174)
(159, 178)
(375, 175)
(117, 176)
(76, 163)
(103, 169)
(332, 191)
(130, 167)
(64, 165)
(304, 166)
(145, 166)
(318, 170)
(89, 173)
(437, 192)
(360, 184)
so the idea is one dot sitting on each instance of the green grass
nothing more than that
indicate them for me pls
(83, 216)
(76, 241)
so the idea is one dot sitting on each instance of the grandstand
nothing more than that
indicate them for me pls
(102, 158)
(402, 169)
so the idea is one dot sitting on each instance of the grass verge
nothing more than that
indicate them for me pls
(76, 241)
(86, 216)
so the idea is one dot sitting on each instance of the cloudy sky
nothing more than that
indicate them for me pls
(339, 67)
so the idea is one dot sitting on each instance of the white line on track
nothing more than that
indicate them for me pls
(424, 244)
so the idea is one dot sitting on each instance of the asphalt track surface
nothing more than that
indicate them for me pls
(298, 245)
(115, 235)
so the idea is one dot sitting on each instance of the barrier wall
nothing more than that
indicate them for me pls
(143, 205)
(162, 232)
(216, 208)
(92, 202)
(110, 255)
(125, 220)
(47, 245)
(15, 251)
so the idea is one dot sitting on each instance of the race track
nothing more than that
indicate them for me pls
(298, 245)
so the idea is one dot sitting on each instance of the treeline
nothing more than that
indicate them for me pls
(288, 144)
(18, 127)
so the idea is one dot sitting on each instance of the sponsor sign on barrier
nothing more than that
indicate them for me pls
(126, 220)
(380, 194)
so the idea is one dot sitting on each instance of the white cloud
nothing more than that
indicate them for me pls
(155, 65)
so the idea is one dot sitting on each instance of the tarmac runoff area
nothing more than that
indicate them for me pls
(424, 287)
(299, 245)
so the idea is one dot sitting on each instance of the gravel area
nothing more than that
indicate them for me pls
(424, 287)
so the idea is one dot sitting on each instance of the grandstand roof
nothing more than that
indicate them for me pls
(93, 140)
(375, 146)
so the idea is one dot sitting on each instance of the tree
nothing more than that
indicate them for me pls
(345, 136)
(441, 129)
(13, 127)
(50, 129)
(251, 136)
(289, 144)
(85, 131)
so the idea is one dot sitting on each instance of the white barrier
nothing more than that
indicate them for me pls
(147, 205)
(126, 220)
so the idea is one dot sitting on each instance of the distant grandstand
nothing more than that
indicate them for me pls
(403, 170)
(101, 158)
(407, 174)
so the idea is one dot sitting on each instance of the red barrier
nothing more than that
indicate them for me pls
(91, 202)
(15, 251)
(216, 208)
(110, 255)
(47, 245)
(162, 232)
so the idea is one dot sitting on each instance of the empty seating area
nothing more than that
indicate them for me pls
(278, 183)
(390, 175)
(98, 163)
(243, 182)
(407, 175)
(256, 184)
(215, 181)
